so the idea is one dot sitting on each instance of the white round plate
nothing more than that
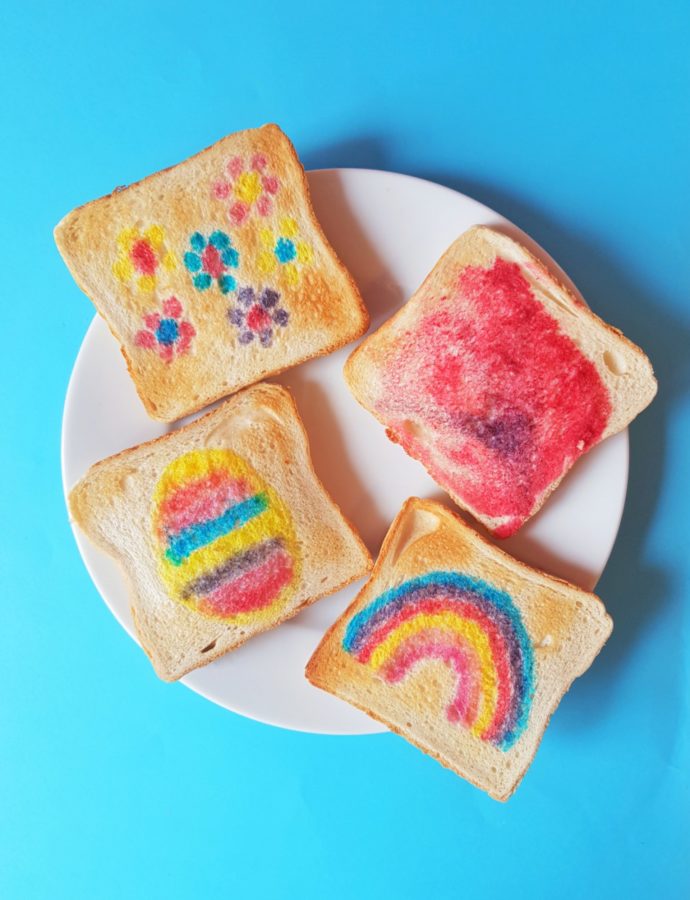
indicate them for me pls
(389, 230)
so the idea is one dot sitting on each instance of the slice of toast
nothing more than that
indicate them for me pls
(222, 529)
(460, 648)
(497, 378)
(214, 273)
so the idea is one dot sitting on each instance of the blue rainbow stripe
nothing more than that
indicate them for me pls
(455, 587)
(185, 542)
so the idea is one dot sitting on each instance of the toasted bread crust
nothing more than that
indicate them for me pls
(325, 308)
(630, 390)
(332, 669)
(257, 422)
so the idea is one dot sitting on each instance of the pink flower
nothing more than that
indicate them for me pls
(167, 332)
(247, 187)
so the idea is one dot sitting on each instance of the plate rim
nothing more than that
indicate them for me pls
(82, 542)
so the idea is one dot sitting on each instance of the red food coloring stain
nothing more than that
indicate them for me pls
(238, 212)
(143, 257)
(172, 307)
(258, 319)
(201, 498)
(145, 339)
(152, 321)
(253, 590)
(235, 166)
(211, 261)
(221, 189)
(508, 401)
(264, 205)
(187, 332)
(439, 645)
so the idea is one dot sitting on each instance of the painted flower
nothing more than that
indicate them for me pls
(247, 187)
(210, 259)
(141, 255)
(284, 252)
(257, 315)
(167, 332)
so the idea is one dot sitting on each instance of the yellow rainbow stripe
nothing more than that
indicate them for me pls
(471, 633)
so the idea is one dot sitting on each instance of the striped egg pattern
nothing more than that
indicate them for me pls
(226, 541)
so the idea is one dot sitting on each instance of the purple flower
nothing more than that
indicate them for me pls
(257, 315)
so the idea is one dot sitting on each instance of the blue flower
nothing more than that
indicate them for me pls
(285, 250)
(209, 260)
(167, 332)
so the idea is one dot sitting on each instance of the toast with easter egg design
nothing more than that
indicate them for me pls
(222, 529)
(460, 648)
(498, 379)
(214, 273)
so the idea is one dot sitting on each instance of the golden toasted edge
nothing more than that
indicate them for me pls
(360, 314)
(353, 378)
(318, 672)
(364, 318)
(581, 309)
(64, 221)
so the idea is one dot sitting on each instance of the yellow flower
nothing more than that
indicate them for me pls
(123, 269)
(304, 253)
(248, 187)
(283, 254)
(139, 256)
(266, 261)
(288, 227)
(290, 274)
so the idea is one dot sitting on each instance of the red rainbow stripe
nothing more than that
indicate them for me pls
(499, 651)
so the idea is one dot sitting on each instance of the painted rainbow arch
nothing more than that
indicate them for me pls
(473, 628)
(225, 539)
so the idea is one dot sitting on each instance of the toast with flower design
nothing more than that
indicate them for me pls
(498, 379)
(214, 273)
(460, 648)
(222, 529)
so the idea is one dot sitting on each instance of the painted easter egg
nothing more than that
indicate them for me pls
(227, 546)
(470, 626)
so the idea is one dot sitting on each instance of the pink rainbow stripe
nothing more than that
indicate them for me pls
(499, 650)
(438, 644)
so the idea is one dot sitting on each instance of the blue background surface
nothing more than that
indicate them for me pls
(572, 119)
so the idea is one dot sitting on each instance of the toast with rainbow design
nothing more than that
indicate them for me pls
(460, 648)
(214, 273)
(498, 379)
(222, 529)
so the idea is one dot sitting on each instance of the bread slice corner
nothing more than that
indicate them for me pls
(495, 374)
(222, 529)
(213, 274)
(446, 618)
